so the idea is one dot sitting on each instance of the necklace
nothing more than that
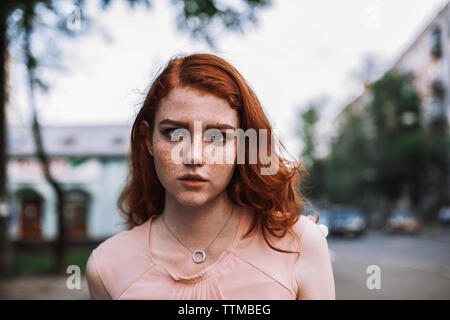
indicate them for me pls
(199, 251)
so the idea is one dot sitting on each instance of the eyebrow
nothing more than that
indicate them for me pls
(186, 125)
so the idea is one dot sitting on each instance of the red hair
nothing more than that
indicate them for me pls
(277, 205)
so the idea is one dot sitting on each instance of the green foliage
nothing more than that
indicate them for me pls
(199, 17)
(309, 120)
(42, 262)
(400, 138)
(349, 160)
(378, 150)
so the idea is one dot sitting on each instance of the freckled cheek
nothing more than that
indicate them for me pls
(221, 174)
(165, 167)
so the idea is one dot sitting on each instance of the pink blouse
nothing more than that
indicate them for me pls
(248, 269)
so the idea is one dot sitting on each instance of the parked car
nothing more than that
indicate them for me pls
(444, 215)
(350, 221)
(403, 221)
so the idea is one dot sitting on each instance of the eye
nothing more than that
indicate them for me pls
(214, 135)
(168, 132)
(227, 136)
(172, 133)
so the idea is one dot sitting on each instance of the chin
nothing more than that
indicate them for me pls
(191, 199)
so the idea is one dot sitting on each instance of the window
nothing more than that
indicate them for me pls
(118, 140)
(438, 89)
(437, 102)
(68, 141)
(436, 43)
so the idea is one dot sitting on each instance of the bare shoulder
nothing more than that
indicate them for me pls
(95, 283)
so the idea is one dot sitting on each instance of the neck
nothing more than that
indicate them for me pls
(203, 221)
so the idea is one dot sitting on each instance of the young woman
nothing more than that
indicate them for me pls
(202, 226)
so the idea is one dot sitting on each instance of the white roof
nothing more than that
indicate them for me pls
(80, 140)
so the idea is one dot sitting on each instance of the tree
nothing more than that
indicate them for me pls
(307, 131)
(309, 120)
(195, 16)
(401, 141)
(349, 171)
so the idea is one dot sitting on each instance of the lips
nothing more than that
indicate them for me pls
(193, 181)
(193, 177)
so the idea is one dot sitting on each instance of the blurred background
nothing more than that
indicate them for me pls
(359, 91)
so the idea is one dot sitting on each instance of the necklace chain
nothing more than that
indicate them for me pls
(203, 251)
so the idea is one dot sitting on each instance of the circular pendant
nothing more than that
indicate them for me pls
(195, 258)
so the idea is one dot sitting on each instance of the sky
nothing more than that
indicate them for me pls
(300, 51)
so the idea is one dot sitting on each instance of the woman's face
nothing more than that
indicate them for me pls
(179, 110)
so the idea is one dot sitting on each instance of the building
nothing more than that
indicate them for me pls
(427, 59)
(88, 161)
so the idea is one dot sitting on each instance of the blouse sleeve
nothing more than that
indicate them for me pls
(313, 270)
(96, 286)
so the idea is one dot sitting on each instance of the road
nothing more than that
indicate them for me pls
(411, 267)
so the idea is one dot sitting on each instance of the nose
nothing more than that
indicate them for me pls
(196, 154)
